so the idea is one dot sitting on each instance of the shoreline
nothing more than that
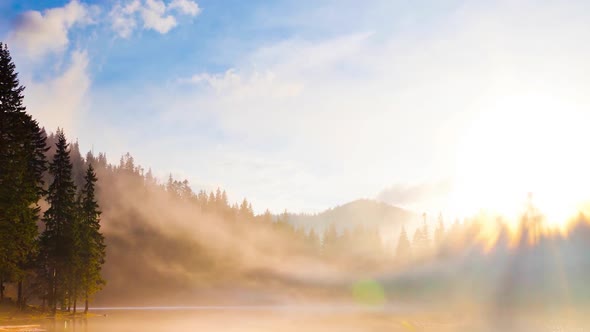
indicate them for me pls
(11, 316)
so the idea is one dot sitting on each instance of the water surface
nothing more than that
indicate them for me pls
(287, 319)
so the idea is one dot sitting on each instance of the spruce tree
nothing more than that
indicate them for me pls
(404, 248)
(439, 233)
(330, 240)
(76, 265)
(313, 240)
(246, 212)
(58, 238)
(92, 251)
(421, 240)
(417, 240)
(22, 164)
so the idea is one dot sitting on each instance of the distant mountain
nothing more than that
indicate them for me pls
(364, 213)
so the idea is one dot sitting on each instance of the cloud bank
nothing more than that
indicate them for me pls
(154, 15)
(38, 33)
(308, 119)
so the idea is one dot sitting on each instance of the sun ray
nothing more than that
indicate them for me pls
(522, 144)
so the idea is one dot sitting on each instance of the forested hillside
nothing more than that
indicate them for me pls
(75, 227)
(164, 240)
(358, 215)
(59, 263)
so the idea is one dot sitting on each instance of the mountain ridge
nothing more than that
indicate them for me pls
(361, 212)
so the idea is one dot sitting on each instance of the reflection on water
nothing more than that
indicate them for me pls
(280, 318)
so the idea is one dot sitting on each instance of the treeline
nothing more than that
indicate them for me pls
(362, 242)
(360, 247)
(61, 264)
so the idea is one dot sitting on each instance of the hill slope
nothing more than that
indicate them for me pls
(359, 213)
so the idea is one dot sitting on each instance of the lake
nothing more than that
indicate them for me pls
(290, 318)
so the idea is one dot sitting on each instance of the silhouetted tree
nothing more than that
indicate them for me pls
(92, 250)
(439, 232)
(22, 163)
(404, 248)
(421, 240)
(58, 237)
(267, 217)
(330, 239)
(246, 211)
(313, 240)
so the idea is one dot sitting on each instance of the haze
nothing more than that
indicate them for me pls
(303, 106)
(294, 165)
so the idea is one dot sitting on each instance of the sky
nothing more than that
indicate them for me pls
(437, 106)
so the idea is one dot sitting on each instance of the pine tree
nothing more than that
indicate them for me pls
(224, 200)
(426, 239)
(58, 238)
(421, 241)
(439, 233)
(417, 239)
(22, 163)
(211, 202)
(75, 266)
(313, 240)
(92, 251)
(149, 178)
(267, 217)
(246, 211)
(330, 239)
(218, 198)
(404, 247)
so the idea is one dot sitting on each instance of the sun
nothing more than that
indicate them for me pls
(521, 144)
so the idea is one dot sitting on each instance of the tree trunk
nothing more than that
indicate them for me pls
(19, 295)
(86, 303)
(54, 299)
(75, 300)
(53, 293)
(1, 290)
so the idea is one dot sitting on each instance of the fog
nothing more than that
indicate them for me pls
(316, 319)
(445, 108)
(166, 249)
(201, 262)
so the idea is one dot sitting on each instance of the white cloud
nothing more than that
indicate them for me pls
(417, 196)
(123, 19)
(60, 101)
(325, 120)
(56, 87)
(155, 18)
(153, 14)
(252, 85)
(187, 7)
(375, 109)
(37, 34)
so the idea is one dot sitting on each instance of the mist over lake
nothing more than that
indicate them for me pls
(219, 165)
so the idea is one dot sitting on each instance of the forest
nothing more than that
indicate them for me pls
(62, 263)
(77, 227)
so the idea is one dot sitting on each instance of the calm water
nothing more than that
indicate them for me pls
(225, 319)
(287, 319)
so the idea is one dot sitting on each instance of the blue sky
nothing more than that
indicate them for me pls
(302, 105)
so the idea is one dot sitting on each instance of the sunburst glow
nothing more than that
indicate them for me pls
(526, 143)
